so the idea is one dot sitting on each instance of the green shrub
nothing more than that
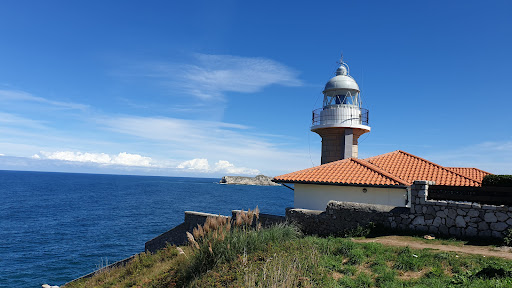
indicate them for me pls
(497, 180)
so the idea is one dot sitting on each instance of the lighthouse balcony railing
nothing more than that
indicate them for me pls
(353, 116)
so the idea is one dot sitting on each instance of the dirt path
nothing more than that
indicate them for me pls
(401, 241)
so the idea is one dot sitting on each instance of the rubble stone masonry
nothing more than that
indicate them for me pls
(459, 219)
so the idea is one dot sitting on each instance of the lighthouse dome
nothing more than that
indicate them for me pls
(341, 81)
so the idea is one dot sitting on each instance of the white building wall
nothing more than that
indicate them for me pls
(316, 197)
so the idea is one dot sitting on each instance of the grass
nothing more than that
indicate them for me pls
(239, 253)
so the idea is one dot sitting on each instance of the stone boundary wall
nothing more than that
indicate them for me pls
(459, 219)
(451, 218)
(342, 216)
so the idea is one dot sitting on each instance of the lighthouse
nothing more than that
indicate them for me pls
(341, 120)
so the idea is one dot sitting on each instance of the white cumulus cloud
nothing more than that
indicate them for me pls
(123, 158)
(222, 166)
(195, 164)
(128, 159)
(225, 166)
(101, 158)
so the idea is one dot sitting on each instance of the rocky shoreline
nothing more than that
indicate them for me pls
(260, 180)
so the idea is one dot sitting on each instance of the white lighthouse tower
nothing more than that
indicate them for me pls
(341, 120)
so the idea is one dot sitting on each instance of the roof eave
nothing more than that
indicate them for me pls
(341, 184)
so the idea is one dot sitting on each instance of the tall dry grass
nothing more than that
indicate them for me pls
(222, 239)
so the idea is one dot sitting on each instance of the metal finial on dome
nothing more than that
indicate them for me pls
(343, 69)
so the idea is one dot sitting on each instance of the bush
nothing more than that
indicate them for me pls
(497, 180)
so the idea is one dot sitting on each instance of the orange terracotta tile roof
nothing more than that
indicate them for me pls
(397, 168)
(347, 171)
(473, 173)
(410, 167)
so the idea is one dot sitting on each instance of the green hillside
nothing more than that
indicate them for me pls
(240, 254)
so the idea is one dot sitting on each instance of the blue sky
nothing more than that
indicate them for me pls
(208, 88)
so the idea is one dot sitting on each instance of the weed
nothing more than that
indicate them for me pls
(507, 240)
(407, 260)
(435, 272)
(360, 231)
(349, 270)
(386, 278)
(356, 256)
(364, 280)
(331, 262)
(344, 247)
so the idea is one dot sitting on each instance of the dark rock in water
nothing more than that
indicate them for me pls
(261, 180)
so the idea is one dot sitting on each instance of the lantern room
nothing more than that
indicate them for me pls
(341, 120)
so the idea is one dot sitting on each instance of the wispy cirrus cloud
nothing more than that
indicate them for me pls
(172, 129)
(21, 96)
(8, 119)
(213, 75)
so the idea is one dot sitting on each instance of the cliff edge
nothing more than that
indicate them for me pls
(261, 180)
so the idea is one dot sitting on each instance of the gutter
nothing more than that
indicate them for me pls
(274, 180)
(287, 186)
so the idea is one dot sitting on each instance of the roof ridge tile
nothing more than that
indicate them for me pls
(425, 161)
(381, 171)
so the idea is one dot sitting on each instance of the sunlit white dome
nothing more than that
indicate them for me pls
(342, 81)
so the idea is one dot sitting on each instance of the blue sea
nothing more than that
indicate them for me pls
(55, 227)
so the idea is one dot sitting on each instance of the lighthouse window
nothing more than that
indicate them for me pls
(341, 99)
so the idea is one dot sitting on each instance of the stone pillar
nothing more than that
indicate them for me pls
(419, 193)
